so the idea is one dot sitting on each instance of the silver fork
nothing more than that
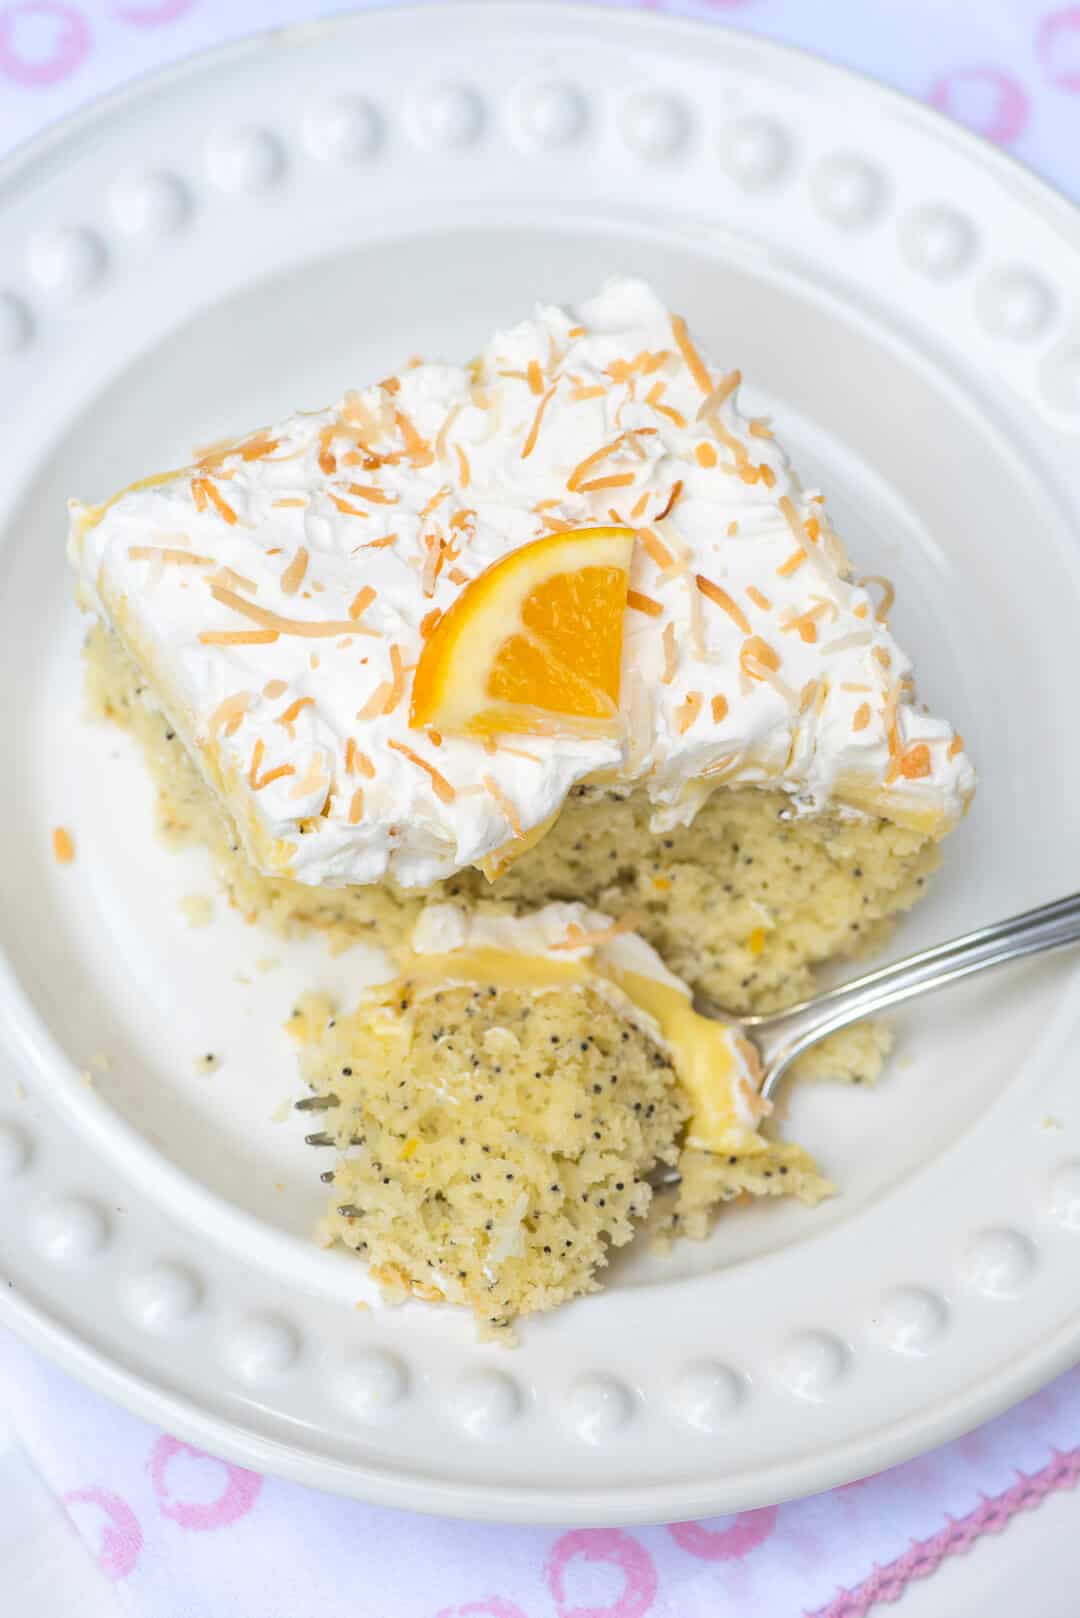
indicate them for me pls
(780, 1036)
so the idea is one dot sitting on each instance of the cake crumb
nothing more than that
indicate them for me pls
(362, 1305)
(281, 1111)
(87, 1078)
(208, 1062)
(197, 909)
(242, 977)
(20, 1090)
(267, 963)
(100, 1061)
(1053, 1123)
(63, 846)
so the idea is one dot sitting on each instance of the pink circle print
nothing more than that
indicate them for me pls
(121, 1536)
(749, 1530)
(42, 42)
(1058, 39)
(239, 1489)
(991, 103)
(612, 1548)
(155, 13)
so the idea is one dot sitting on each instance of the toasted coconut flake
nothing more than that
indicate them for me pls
(210, 492)
(743, 467)
(535, 377)
(757, 658)
(862, 716)
(230, 580)
(293, 710)
(440, 437)
(845, 643)
(576, 331)
(656, 549)
(888, 594)
(793, 563)
(63, 845)
(813, 529)
(861, 610)
(356, 762)
(580, 392)
(372, 494)
(705, 453)
(583, 468)
(238, 637)
(955, 746)
(534, 431)
(687, 711)
(257, 755)
(378, 544)
(345, 506)
(314, 628)
(436, 500)
(274, 689)
(312, 777)
(361, 601)
(443, 790)
(506, 804)
(853, 685)
(293, 576)
(227, 716)
(915, 762)
(168, 553)
(791, 518)
(882, 655)
(416, 448)
(758, 598)
(716, 593)
(356, 807)
(278, 774)
(639, 505)
(692, 358)
(457, 575)
(643, 603)
(759, 428)
(654, 399)
(805, 623)
(326, 460)
(767, 475)
(672, 500)
(555, 525)
(719, 395)
(290, 500)
(671, 654)
(616, 480)
(719, 707)
(429, 620)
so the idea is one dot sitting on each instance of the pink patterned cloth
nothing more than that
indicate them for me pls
(180, 1532)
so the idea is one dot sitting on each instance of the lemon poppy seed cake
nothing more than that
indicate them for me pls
(499, 1104)
(697, 714)
(559, 625)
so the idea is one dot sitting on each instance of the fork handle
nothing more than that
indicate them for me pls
(782, 1036)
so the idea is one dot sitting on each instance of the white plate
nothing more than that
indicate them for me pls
(252, 231)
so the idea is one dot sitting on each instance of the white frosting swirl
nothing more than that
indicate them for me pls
(774, 671)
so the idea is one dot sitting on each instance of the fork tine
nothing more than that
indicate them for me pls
(320, 1138)
(349, 1210)
(327, 1178)
(315, 1104)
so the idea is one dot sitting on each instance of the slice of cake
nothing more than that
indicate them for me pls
(734, 753)
(499, 1105)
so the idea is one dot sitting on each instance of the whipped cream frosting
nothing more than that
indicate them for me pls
(277, 595)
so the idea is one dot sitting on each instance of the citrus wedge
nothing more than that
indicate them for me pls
(534, 643)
